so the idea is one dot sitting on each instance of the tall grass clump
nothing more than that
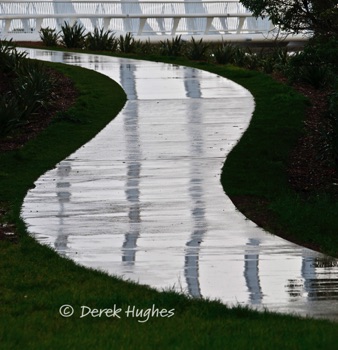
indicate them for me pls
(146, 47)
(10, 57)
(33, 87)
(73, 36)
(305, 67)
(127, 43)
(281, 57)
(10, 114)
(317, 64)
(171, 47)
(29, 88)
(333, 115)
(224, 53)
(101, 40)
(49, 36)
(197, 50)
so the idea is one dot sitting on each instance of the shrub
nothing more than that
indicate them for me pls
(252, 60)
(146, 47)
(333, 102)
(49, 36)
(101, 40)
(315, 75)
(33, 87)
(333, 113)
(127, 43)
(324, 50)
(239, 57)
(10, 114)
(73, 36)
(267, 64)
(6, 46)
(197, 50)
(171, 47)
(224, 53)
(10, 58)
(316, 64)
(281, 56)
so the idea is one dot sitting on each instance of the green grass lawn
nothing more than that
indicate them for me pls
(36, 282)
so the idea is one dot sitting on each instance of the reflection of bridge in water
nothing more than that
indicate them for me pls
(229, 20)
(143, 199)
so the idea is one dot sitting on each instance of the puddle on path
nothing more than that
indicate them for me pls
(143, 199)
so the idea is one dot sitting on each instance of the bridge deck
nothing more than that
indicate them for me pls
(211, 20)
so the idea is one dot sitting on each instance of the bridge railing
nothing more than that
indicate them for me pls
(137, 17)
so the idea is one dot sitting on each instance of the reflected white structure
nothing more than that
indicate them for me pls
(143, 199)
(24, 19)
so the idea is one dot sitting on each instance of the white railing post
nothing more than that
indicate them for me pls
(38, 24)
(60, 7)
(7, 25)
(208, 25)
(141, 26)
(176, 21)
(240, 24)
(106, 23)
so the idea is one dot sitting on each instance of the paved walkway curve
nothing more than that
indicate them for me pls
(143, 199)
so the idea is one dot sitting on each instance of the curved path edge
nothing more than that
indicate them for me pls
(143, 199)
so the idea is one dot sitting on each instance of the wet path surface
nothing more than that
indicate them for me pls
(143, 199)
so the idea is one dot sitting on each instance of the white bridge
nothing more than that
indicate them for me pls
(228, 20)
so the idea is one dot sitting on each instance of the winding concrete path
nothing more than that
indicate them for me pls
(143, 199)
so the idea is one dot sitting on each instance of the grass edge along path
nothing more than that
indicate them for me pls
(255, 172)
(35, 281)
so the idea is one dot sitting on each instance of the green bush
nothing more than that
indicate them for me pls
(146, 47)
(274, 60)
(318, 76)
(316, 64)
(33, 87)
(281, 56)
(10, 114)
(197, 50)
(324, 50)
(171, 47)
(73, 36)
(239, 57)
(30, 89)
(127, 43)
(267, 64)
(224, 53)
(333, 102)
(49, 36)
(333, 113)
(101, 40)
(10, 58)
(6, 47)
(252, 60)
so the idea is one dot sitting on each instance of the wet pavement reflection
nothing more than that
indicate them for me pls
(143, 199)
